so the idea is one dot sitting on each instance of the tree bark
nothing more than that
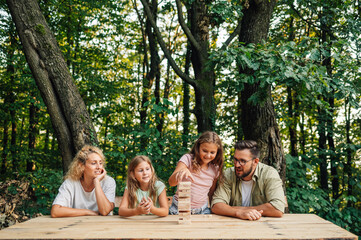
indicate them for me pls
(33, 132)
(321, 128)
(292, 123)
(205, 109)
(186, 108)
(240, 133)
(348, 166)
(258, 121)
(68, 113)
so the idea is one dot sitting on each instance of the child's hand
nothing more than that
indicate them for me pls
(184, 174)
(144, 207)
(150, 203)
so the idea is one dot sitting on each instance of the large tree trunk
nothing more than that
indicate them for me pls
(258, 121)
(152, 69)
(205, 109)
(68, 113)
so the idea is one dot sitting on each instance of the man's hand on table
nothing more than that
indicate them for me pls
(249, 214)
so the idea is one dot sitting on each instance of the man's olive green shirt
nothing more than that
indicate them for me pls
(267, 188)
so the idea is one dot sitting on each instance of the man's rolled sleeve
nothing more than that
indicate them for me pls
(274, 191)
(223, 191)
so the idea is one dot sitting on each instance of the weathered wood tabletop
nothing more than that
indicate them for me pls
(290, 226)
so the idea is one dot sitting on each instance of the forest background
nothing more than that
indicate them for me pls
(147, 77)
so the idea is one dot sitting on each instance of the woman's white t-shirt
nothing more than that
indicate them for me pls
(71, 194)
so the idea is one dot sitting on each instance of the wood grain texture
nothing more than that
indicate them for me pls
(290, 226)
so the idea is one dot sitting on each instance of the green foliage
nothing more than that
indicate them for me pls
(304, 196)
(222, 11)
(44, 184)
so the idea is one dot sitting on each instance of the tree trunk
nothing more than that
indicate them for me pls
(258, 121)
(33, 131)
(68, 113)
(106, 127)
(292, 123)
(153, 74)
(321, 128)
(186, 108)
(204, 76)
(348, 166)
(332, 149)
(205, 109)
(4, 154)
(46, 141)
(13, 145)
(240, 134)
(303, 134)
(326, 117)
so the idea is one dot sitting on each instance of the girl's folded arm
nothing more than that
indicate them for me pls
(124, 209)
(162, 211)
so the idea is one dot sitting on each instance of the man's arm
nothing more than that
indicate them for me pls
(245, 213)
(268, 210)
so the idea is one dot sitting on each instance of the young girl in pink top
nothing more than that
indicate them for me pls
(203, 166)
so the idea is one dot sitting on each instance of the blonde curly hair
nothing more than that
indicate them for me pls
(75, 171)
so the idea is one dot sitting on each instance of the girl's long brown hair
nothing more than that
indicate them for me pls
(133, 185)
(208, 137)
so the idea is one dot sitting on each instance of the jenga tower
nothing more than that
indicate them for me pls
(184, 202)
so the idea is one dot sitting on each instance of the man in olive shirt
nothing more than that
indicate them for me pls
(250, 189)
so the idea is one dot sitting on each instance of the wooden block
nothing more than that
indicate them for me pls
(184, 193)
(184, 185)
(184, 207)
(184, 204)
(185, 215)
(184, 200)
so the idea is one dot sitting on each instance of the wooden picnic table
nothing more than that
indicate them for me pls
(290, 226)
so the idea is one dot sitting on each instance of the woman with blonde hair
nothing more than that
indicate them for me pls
(87, 189)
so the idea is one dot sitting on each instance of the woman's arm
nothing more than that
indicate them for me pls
(180, 172)
(60, 211)
(104, 205)
(162, 211)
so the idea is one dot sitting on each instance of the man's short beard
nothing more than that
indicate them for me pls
(245, 174)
